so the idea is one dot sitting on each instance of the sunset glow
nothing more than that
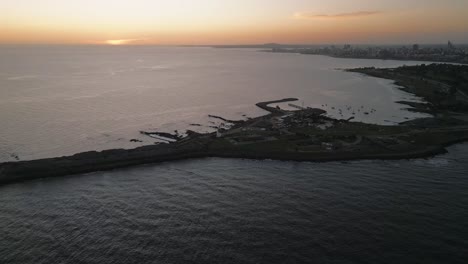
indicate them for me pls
(121, 22)
(121, 41)
(116, 42)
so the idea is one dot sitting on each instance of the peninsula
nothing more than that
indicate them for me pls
(306, 134)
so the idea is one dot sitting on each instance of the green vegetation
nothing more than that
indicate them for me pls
(455, 76)
(443, 86)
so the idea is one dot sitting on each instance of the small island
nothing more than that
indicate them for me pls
(305, 134)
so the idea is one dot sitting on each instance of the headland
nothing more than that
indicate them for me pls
(306, 134)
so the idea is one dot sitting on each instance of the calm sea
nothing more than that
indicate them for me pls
(242, 211)
(61, 100)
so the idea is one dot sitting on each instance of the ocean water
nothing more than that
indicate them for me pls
(61, 100)
(243, 211)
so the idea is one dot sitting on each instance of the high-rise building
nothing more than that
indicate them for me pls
(450, 45)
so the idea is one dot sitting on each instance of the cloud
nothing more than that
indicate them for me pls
(357, 14)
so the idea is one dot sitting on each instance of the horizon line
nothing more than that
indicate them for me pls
(240, 45)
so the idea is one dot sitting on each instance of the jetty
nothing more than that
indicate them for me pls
(306, 134)
(303, 135)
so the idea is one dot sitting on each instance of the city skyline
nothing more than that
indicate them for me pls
(206, 22)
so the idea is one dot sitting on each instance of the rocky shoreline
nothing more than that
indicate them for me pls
(119, 158)
(302, 135)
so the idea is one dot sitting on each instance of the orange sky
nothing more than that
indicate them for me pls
(118, 22)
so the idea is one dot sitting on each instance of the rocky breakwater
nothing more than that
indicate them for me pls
(302, 135)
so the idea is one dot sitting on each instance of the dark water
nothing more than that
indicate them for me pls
(242, 211)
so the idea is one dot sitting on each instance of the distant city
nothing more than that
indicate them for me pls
(436, 53)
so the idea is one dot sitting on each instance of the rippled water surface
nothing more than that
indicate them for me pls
(60, 100)
(243, 211)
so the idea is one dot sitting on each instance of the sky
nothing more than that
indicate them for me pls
(208, 22)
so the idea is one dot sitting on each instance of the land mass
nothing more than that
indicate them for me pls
(434, 53)
(444, 87)
(306, 134)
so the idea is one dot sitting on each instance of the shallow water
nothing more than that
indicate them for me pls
(243, 211)
(60, 100)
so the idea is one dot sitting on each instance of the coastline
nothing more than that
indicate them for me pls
(440, 97)
(303, 135)
(390, 59)
(89, 162)
(368, 57)
(201, 146)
